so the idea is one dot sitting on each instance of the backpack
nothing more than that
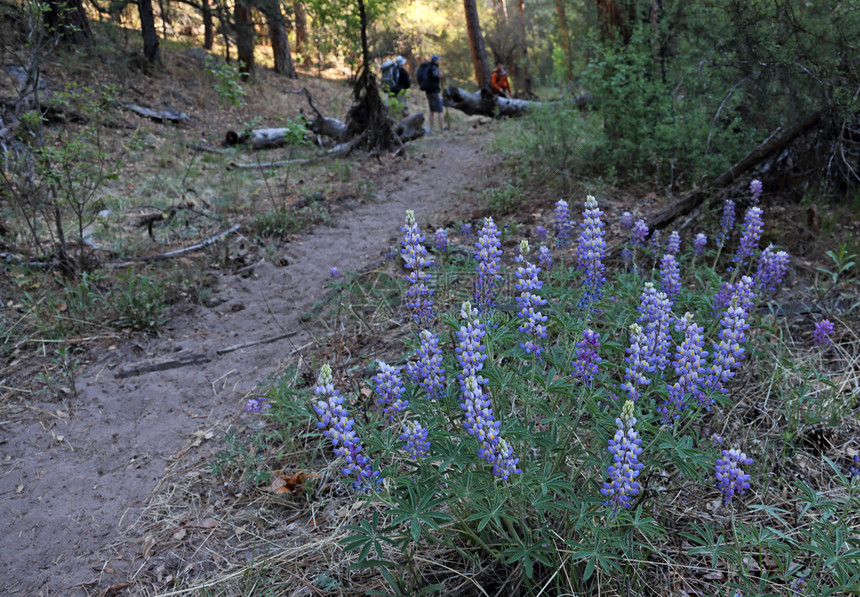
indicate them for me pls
(390, 72)
(422, 76)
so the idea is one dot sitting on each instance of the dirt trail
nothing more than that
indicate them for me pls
(76, 475)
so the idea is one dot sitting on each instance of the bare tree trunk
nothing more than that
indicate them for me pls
(208, 30)
(301, 25)
(244, 37)
(613, 21)
(278, 38)
(67, 19)
(564, 33)
(150, 33)
(526, 85)
(476, 42)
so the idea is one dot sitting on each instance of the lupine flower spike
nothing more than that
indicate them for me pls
(772, 266)
(673, 245)
(750, 236)
(415, 437)
(640, 231)
(638, 366)
(731, 478)
(390, 389)
(257, 405)
(699, 244)
(441, 240)
(627, 220)
(822, 332)
(562, 222)
(488, 256)
(689, 364)
(427, 372)
(585, 366)
(591, 248)
(416, 259)
(625, 468)
(337, 425)
(540, 232)
(529, 302)
(727, 222)
(480, 421)
(655, 314)
(755, 191)
(728, 352)
(544, 258)
(670, 274)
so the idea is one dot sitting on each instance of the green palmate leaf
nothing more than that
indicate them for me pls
(368, 536)
(418, 510)
(527, 555)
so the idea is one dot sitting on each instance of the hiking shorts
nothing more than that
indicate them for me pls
(435, 101)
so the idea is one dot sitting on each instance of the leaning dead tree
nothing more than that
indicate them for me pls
(771, 147)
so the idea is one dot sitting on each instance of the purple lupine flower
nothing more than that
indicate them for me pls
(562, 222)
(854, 470)
(625, 468)
(798, 586)
(544, 258)
(731, 478)
(389, 387)
(673, 245)
(337, 425)
(427, 372)
(257, 405)
(488, 256)
(466, 230)
(655, 314)
(638, 365)
(590, 250)
(822, 332)
(743, 290)
(755, 191)
(728, 352)
(529, 302)
(717, 439)
(334, 273)
(540, 232)
(750, 236)
(477, 407)
(587, 359)
(440, 239)
(415, 437)
(689, 367)
(772, 266)
(639, 232)
(416, 259)
(727, 222)
(627, 257)
(656, 238)
(670, 275)
(627, 220)
(699, 244)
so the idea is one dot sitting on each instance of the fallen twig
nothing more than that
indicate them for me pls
(269, 340)
(178, 252)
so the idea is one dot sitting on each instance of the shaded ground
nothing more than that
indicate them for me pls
(77, 475)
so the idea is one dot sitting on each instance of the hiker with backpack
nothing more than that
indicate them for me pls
(499, 81)
(395, 81)
(430, 81)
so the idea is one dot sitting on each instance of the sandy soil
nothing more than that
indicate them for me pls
(76, 475)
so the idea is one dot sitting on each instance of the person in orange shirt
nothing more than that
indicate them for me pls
(499, 81)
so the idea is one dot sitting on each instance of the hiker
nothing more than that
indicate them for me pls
(401, 84)
(430, 81)
(499, 81)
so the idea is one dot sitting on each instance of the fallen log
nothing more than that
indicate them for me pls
(485, 103)
(262, 138)
(772, 145)
(166, 115)
(411, 127)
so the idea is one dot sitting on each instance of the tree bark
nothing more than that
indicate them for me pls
(564, 33)
(301, 27)
(208, 29)
(485, 103)
(67, 19)
(150, 33)
(613, 20)
(244, 37)
(525, 84)
(476, 43)
(278, 37)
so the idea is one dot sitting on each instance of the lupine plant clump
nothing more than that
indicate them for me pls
(569, 463)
